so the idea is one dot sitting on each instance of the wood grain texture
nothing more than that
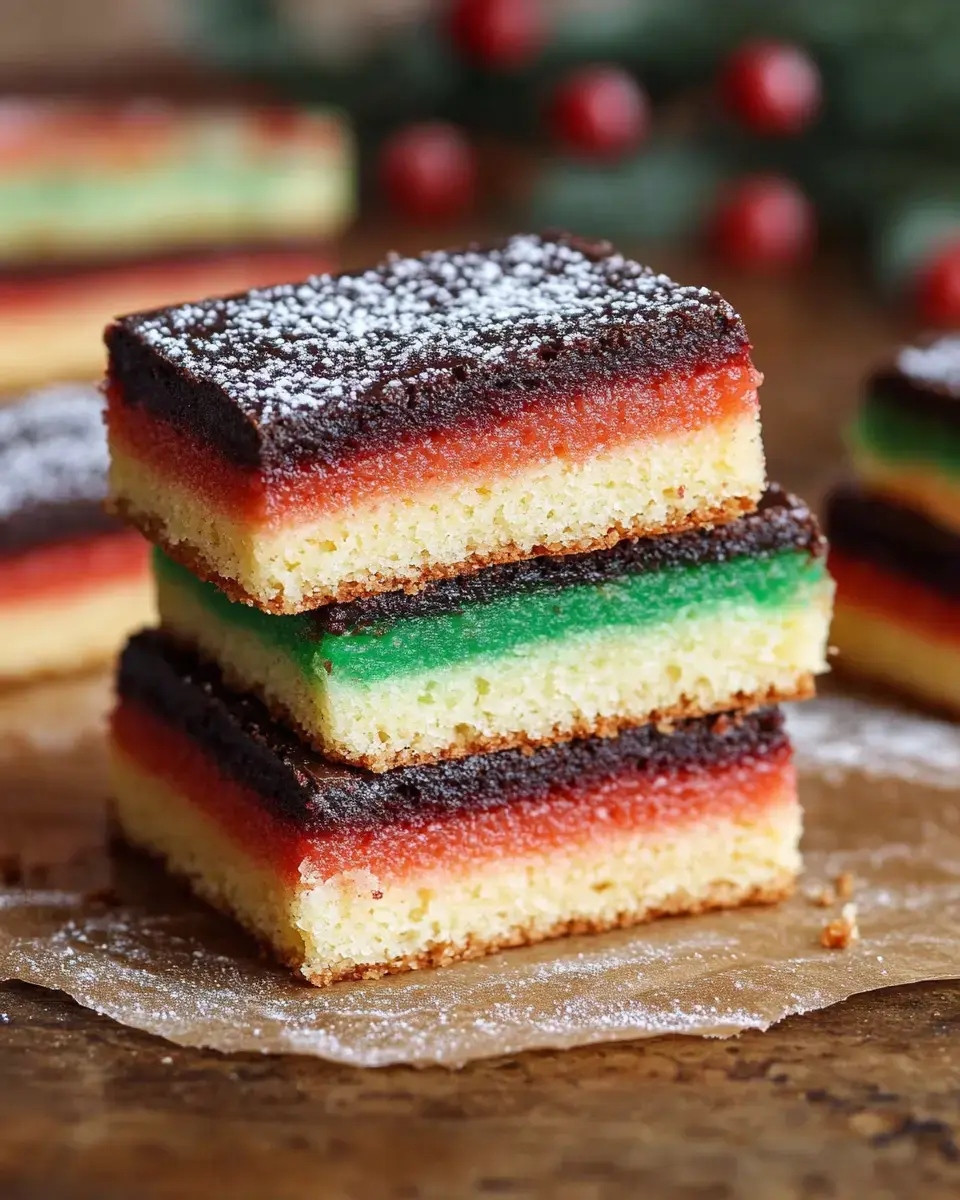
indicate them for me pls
(860, 1099)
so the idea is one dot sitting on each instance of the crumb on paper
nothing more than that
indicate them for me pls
(822, 895)
(825, 895)
(839, 933)
(845, 884)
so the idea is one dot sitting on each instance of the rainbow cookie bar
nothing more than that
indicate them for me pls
(906, 439)
(73, 582)
(897, 616)
(364, 433)
(533, 652)
(106, 209)
(82, 181)
(352, 875)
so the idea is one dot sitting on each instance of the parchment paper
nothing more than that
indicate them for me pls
(881, 794)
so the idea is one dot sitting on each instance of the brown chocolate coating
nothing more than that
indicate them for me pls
(316, 796)
(873, 529)
(319, 371)
(781, 522)
(45, 524)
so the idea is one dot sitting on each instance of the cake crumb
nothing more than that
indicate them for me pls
(839, 933)
(845, 884)
(822, 896)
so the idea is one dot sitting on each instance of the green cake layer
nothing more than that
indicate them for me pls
(890, 432)
(168, 181)
(910, 456)
(528, 666)
(487, 632)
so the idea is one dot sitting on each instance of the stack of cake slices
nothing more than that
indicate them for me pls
(896, 532)
(475, 607)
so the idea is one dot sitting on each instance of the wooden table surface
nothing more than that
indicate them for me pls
(860, 1099)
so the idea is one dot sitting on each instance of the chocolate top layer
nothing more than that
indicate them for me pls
(781, 522)
(53, 467)
(923, 379)
(316, 796)
(898, 539)
(320, 369)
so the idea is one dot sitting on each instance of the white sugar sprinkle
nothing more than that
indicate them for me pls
(53, 448)
(331, 340)
(937, 364)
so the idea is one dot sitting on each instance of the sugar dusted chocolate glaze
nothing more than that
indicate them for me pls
(924, 380)
(53, 468)
(898, 539)
(316, 796)
(317, 371)
(781, 522)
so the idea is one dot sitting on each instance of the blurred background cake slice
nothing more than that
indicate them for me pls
(906, 438)
(897, 616)
(73, 581)
(895, 533)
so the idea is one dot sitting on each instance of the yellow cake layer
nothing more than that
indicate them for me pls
(924, 489)
(63, 341)
(74, 630)
(588, 683)
(360, 925)
(644, 487)
(880, 646)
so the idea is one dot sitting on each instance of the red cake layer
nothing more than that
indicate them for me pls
(67, 568)
(576, 429)
(569, 817)
(128, 136)
(167, 281)
(873, 589)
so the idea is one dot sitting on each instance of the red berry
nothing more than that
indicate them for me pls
(428, 171)
(764, 223)
(772, 87)
(497, 33)
(938, 287)
(599, 111)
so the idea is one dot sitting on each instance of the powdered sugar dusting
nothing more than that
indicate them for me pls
(839, 733)
(936, 365)
(53, 448)
(331, 341)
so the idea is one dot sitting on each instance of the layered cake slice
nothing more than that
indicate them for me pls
(108, 208)
(353, 875)
(85, 181)
(906, 440)
(357, 434)
(897, 618)
(532, 652)
(73, 581)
